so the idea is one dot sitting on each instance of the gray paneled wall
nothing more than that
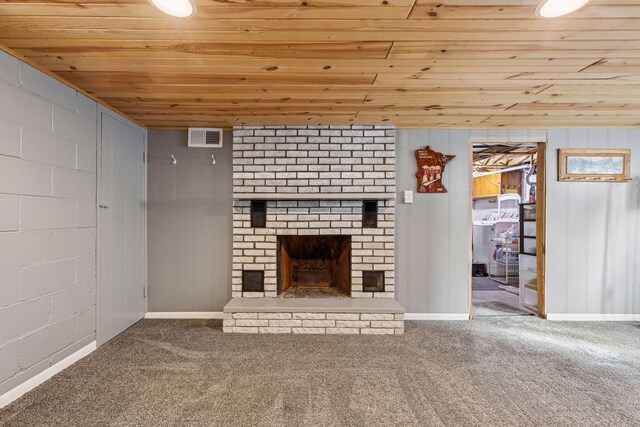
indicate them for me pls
(47, 221)
(432, 234)
(593, 249)
(189, 224)
(593, 229)
(593, 232)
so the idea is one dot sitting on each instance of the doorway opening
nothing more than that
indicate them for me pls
(508, 218)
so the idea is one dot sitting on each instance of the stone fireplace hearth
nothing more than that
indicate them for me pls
(314, 222)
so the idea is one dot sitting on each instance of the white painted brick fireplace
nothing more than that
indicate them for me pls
(314, 181)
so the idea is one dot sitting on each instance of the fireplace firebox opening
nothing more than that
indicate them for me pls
(314, 266)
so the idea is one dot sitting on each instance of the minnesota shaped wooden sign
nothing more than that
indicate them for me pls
(431, 166)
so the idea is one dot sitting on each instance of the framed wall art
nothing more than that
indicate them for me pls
(594, 165)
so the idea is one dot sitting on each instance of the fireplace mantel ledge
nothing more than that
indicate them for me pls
(314, 196)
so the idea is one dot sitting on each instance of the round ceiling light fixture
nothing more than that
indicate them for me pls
(177, 8)
(557, 8)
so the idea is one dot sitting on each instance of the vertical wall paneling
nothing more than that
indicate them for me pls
(593, 249)
(460, 254)
(577, 235)
(592, 255)
(439, 218)
(433, 239)
(189, 224)
(556, 295)
(632, 214)
(600, 210)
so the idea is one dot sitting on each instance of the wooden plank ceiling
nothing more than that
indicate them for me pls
(412, 63)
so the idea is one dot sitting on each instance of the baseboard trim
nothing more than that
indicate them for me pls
(436, 316)
(184, 315)
(594, 317)
(43, 376)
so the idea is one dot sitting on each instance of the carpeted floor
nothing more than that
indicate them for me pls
(515, 371)
(484, 284)
(497, 303)
(498, 308)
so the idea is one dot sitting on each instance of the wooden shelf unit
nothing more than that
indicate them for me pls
(528, 261)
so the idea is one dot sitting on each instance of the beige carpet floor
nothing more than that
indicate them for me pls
(502, 371)
(497, 303)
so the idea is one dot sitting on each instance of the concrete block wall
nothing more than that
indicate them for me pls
(47, 221)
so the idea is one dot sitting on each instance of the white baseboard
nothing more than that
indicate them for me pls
(184, 315)
(594, 317)
(436, 316)
(35, 381)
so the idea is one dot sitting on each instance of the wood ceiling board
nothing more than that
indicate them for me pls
(256, 95)
(322, 33)
(503, 3)
(498, 112)
(433, 53)
(220, 79)
(274, 102)
(214, 9)
(456, 63)
(17, 24)
(596, 89)
(587, 100)
(518, 46)
(152, 49)
(168, 122)
(308, 51)
(336, 64)
(627, 108)
(427, 9)
(329, 70)
(342, 109)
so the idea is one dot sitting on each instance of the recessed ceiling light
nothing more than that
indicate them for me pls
(177, 8)
(557, 8)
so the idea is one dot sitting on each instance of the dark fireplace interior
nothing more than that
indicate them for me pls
(314, 266)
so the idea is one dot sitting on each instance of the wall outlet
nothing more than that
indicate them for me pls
(408, 196)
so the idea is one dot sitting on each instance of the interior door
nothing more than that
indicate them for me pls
(121, 225)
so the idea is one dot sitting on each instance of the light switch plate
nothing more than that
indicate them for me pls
(408, 196)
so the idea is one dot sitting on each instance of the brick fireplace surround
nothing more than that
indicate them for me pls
(315, 181)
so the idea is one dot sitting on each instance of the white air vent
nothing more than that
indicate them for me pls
(205, 137)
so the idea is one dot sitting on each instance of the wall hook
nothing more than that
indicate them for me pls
(213, 159)
(173, 159)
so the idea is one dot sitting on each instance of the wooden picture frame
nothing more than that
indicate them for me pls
(594, 165)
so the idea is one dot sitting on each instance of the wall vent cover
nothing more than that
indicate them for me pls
(205, 137)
